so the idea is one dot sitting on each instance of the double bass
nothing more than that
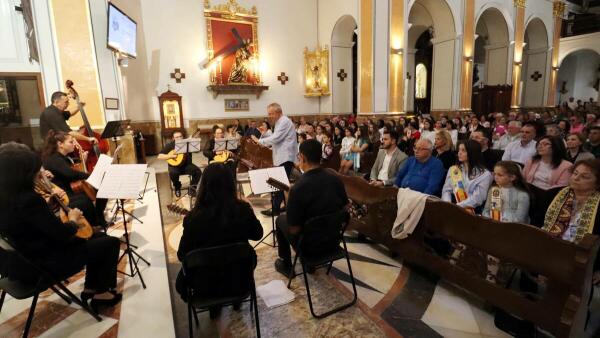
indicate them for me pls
(94, 149)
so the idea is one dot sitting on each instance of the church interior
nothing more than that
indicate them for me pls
(314, 168)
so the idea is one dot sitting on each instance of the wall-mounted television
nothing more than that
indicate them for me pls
(122, 31)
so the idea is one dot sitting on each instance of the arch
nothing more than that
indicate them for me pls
(508, 21)
(436, 16)
(536, 34)
(535, 63)
(491, 47)
(578, 74)
(343, 95)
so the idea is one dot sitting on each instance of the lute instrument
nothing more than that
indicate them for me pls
(44, 187)
(174, 208)
(180, 157)
(94, 149)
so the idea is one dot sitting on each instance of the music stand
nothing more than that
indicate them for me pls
(259, 185)
(188, 146)
(122, 182)
(113, 129)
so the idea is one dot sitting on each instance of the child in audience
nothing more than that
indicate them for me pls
(346, 151)
(327, 147)
(508, 198)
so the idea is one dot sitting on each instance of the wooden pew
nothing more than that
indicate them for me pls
(253, 156)
(567, 267)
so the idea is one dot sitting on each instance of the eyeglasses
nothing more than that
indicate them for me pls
(422, 149)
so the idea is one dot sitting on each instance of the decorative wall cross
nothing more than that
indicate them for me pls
(283, 78)
(342, 74)
(536, 76)
(177, 75)
(408, 75)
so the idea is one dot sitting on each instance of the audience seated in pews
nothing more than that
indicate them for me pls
(513, 133)
(317, 193)
(388, 162)
(593, 143)
(219, 217)
(327, 147)
(490, 156)
(467, 183)
(575, 151)
(252, 129)
(422, 172)
(522, 150)
(508, 199)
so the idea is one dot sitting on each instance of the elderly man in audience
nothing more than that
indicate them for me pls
(513, 133)
(388, 162)
(490, 156)
(522, 150)
(422, 172)
(593, 143)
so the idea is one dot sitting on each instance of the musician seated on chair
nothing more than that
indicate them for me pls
(32, 228)
(55, 116)
(55, 157)
(318, 192)
(218, 218)
(185, 167)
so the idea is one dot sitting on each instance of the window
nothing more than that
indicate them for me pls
(421, 81)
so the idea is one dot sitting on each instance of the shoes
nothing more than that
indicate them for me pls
(178, 192)
(97, 303)
(270, 213)
(85, 296)
(284, 268)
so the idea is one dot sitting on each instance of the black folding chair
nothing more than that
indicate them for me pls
(21, 290)
(325, 233)
(220, 276)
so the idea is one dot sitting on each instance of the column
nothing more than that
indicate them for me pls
(396, 96)
(365, 73)
(558, 10)
(468, 50)
(77, 56)
(515, 101)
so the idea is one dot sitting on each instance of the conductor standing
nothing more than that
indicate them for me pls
(285, 147)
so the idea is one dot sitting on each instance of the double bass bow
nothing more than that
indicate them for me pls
(94, 149)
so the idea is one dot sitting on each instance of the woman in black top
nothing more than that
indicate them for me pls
(219, 217)
(443, 149)
(33, 229)
(58, 145)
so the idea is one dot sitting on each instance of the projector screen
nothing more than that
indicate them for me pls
(121, 32)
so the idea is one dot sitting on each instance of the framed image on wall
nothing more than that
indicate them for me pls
(111, 103)
(171, 113)
(237, 105)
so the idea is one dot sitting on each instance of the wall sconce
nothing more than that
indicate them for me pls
(397, 51)
(555, 68)
(124, 62)
(316, 72)
(518, 63)
(468, 58)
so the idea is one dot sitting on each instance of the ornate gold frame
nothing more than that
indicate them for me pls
(316, 72)
(230, 12)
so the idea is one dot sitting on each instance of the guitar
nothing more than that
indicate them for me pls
(277, 184)
(174, 208)
(180, 157)
(45, 188)
(95, 149)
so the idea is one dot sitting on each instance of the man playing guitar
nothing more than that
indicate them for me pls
(179, 164)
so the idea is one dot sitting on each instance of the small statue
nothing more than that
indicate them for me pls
(239, 72)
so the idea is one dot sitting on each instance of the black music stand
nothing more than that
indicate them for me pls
(113, 129)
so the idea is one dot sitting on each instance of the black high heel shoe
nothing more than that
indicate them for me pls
(85, 296)
(97, 303)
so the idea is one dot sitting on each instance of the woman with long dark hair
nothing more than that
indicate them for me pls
(219, 217)
(546, 173)
(34, 230)
(55, 157)
(467, 183)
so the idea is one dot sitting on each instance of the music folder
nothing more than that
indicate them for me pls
(226, 144)
(122, 181)
(259, 177)
(188, 145)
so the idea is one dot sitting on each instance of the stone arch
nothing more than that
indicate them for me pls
(579, 75)
(492, 47)
(343, 45)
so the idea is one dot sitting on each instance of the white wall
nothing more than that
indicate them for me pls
(496, 64)
(533, 91)
(381, 52)
(580, 70)
(443, 73)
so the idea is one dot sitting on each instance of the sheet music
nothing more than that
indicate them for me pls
(122, 181)
(259, 177)
(95, 178)
(232, 143)
(181, 146)
(220, 145)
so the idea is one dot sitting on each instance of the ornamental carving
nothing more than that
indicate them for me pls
(558, 9)
(230, 9)
(520, 3)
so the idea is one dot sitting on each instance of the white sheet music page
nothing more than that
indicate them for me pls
(95, 178)
(122, 181)
(259, 177)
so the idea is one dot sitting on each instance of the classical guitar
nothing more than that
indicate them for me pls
(174, 208)
(277, 184)
(94, 150)
(179, 159)
(45, 188)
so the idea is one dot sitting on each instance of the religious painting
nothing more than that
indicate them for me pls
(232, 44)
(171, 109)
(237, 105)
(421, 81)
(171, 113)
(316, 72)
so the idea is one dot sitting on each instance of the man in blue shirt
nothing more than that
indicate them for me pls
(422, 172)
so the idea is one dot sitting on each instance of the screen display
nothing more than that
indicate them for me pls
(121, 31)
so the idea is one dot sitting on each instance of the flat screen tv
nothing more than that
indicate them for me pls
(121, 32)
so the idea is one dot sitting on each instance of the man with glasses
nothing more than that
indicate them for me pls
(422, 172)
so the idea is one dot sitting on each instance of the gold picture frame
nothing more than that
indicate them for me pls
(316, 72)
(237, 105)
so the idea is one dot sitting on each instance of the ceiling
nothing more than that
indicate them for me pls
(592, 3)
